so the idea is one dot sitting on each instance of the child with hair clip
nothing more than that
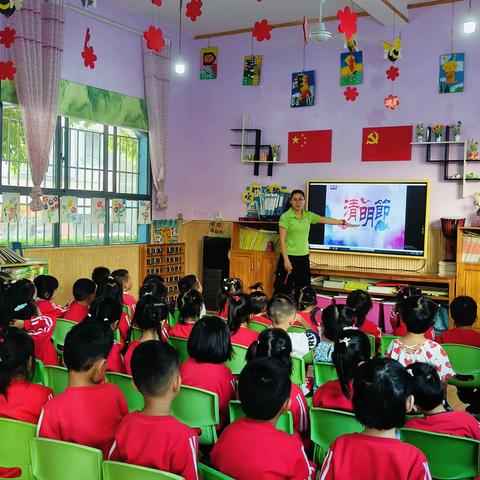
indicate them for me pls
(381, 400)
(362, 303)
(84, 295)
(154, 285)
(276, 343)
(259, 303)
(124, 278)
(46, 286)
(190, 305)
(209, 347)
(418, 314)
(99, 273)
(229, 288)
(306, 302)
(429, 394)
(351, 349)
(189, 282)
(240, 311)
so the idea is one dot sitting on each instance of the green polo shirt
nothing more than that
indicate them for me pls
(297, 230)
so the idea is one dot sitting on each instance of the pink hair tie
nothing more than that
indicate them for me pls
(236, 297)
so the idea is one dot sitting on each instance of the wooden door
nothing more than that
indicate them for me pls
(242, 266)
(468, 283)
(264, 270)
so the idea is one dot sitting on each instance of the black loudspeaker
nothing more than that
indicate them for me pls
(216, 266)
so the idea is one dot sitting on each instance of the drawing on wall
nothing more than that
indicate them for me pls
(303, 89)
(252, 66)
(452, 70)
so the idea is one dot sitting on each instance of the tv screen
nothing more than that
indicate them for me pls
(391, 217)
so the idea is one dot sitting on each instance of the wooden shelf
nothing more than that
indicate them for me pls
(263, 161)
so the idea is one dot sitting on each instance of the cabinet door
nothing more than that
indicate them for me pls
(469, 284)
(264, 271)
(242, 265)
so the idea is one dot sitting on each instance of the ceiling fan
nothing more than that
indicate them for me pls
(318, 32)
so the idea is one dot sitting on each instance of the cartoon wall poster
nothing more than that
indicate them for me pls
(252, 66)
(208, 63)
(50, 212)
(351, 68)
(303, 89)
(99, 213)
(10, 207)
(69, 210)
(452, 72)
(144, 212)
(119, 210)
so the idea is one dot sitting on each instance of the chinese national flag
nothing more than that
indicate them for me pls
(313, 146)
(385, 144)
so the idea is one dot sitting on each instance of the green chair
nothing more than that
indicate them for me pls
(324, 372)
(126, 310)
(198, 408)
(38, 376)
(125, 471)
(238, 360)
(385, 343)
(284, 422)
(257, 326)
(124, 383)
(298, 370)
(116, 336)
(180, 345)
(326, 425)
(449, 457)
(136, 334)
(208, 473)
(56, 378)
(173, 318)
(465, 360)
(373, 345)
(308, 358)
(56, 460)
(61, 329)
(15, 442)
(296, 329)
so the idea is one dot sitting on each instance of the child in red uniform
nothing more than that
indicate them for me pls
(230, 287)
(381, 400)
(190, 304)
(155, 285)
(251, 447)
(209, 347)
(306, 302)
(83, 294)
(351, 349)
(124, 278)
(259, 302)
(240, 310)
(46, 286)
(428, 391)
(153, 438)
(99, 273)
(87, 412)
(361, 302)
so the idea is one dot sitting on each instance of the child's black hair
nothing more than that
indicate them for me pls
(256, 287)
(362, 303)
(82, 288)
(109, 287)
(351, 348)
(99, 273)
(280, 308)
(259, 301)
(46, 286)
(229, 288)
(306, 297)
(463, 310)
(189, 304)
(418, 313)
(16, 356)
(188, 282)
(264, 386)
(121, 275)
(209, 341)
(402, 294)
(154, 285)
(381, 387)
(427, 388)
(335, 318)
(154, 367)
(240, 308)
(105, 310)
(275, 343)
(85, 344)
(16, 301)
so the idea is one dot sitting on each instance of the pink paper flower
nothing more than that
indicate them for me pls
(351, 94)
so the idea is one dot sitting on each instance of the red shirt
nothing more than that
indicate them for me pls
(160, 442)
(250, 449)
(86, 415)
(115, 359)
(330, 395)
(300, 412)
(24, 401)
(244, 336)
(76, 312)
(181, 330)
(364, 457)
(262, 319)
(124, 326)
(462, 336)
(214, 377)
(50, 309)
(128, 356)
(130, 302)
(370, 328)
(306, 316)
(41, 330)
(224, 312)
(458, 423)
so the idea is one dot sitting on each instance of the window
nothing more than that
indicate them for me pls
(88, 160)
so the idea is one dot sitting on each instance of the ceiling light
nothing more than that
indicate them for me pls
(180, 66)
(470, 24)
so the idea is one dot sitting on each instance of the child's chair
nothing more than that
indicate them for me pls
(238, 361)
(38, 376)
(298, 370)
(61, 329)
(296, 329)
(208, 473)
(385, 343)
(257, 326)
(125, 471)
(373, 346)
(180, 345)
(56, 378)
(324, 372)
(134, 398)
(465, 361)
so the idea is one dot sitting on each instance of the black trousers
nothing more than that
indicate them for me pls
(298, 278)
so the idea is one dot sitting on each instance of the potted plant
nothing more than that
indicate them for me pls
(420, 131)
(437, 132)
(275, 152)
(455, 129)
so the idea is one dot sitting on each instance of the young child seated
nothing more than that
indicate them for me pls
(190, 305)
(154, 285)
(209, 347)
(251, 447)
(83, 294)
(418, 314)
(46, 286)
(351, 349)
(124, 278)
(463, 310)
(99, 273)
(362, 303)
(306, 301)
(240, 310)
(259, 303)
(230, 287)
(88, 411)
(153, 437)
(381, 400)
(428, 392)
(188, 282)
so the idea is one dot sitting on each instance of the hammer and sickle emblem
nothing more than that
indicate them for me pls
(372, 138)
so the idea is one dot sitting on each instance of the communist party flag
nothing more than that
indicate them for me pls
(384, 144)
(313, 146)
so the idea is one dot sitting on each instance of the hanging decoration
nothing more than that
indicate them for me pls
(303, 89)
(157, 3)
(119, 210)
(351, 94)
(99, 211)
(194, 9)
(305, 30)
(69, 210)
(348, 23)
(7, 37)
(154, 38)
(252, 66)
(7, 7)
(10, 207)
(451, 75)
(88, 54)
(391, 102)
(7, 70)
(351, 68)
(208, 59)
(392, 73)
(261, 30)
(50, 212)
(89, 3)
(392, 52)
(144, 212)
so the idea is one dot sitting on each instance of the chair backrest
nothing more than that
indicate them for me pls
(38, 376)
(298, 370)
(385, 343)
(284, 422)
(15, 440)
(125, 471)
(56, 460)
(257, 326)
(56, 378)
(124, 383)
(180, 345)
(324, 372)
(238, 360)
(373, 345)
(135, 334)
(61, 329)
(208, 473)
(173, 318)
(465, 359)
(449, 457)
(296, 329)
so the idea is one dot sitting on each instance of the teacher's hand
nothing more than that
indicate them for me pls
(350, 224)
(288, 267)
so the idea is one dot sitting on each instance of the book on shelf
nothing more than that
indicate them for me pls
(258, 239)
(334, 284)
(355, 285)
(447, 269)
(318, 280)
(471, 247)
(381, 290)
(8, 256)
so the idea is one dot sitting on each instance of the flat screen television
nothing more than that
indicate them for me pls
(392, 217)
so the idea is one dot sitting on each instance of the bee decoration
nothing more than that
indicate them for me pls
(351, 44)
(393, 52)
(7, 7)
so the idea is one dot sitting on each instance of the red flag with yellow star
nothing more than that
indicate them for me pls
(313, 146)
(384, 144)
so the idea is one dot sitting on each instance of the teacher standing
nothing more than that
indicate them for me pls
(293, 270)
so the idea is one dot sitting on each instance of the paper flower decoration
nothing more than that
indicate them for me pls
(392, 73)
(194, 9)
(7, 37)
(351, 94)
(261, 30)
(88, 54)
(7, 70)
(348, 22)
(158, 3)
(154, 38)
(391, 102)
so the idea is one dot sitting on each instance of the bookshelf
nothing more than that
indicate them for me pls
(30, 269)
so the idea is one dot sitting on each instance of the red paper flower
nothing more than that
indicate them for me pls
(261, 30)
(7, 70)
(154, 39)
(7, 37)
(158, 3)
(194, 9)
(392, 73)
(348, 22)
(89, 57)
(391, 102)
(351, 94)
